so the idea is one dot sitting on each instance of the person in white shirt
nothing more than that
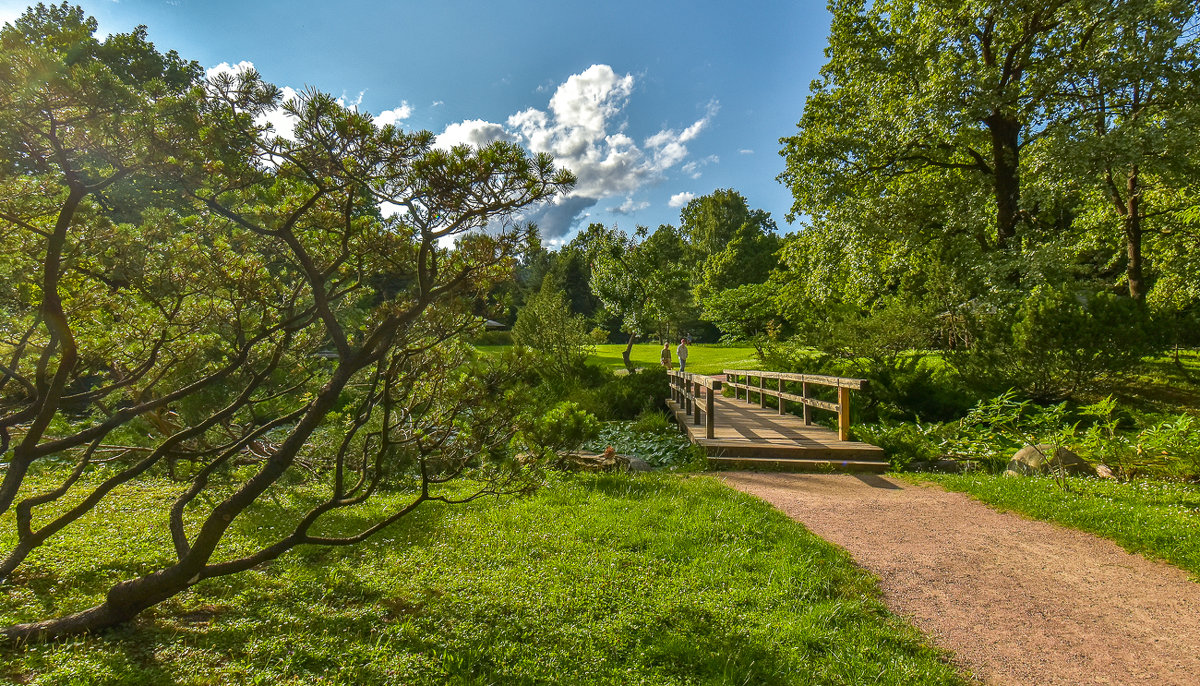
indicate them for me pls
(681, 353)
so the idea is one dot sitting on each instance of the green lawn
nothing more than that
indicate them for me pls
(1160, 519)
(648, 579)
(702, 359)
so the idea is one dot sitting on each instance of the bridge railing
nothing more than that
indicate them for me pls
(780, 392)
(691, 391)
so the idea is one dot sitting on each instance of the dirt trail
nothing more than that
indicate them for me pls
(1018, 601)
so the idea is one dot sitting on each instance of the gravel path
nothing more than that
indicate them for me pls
(1018, 601)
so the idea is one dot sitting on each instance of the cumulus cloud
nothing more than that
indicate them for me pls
(583, 128)
(394, 115)
(556, 218)
(629, 206)
(680, 199)
(474, 132)
(227, 68)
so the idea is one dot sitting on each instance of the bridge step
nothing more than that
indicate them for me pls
(769, 464)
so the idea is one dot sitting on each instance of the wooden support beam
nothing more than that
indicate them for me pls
(710, 418)
(807, 407)
(843, 414)
(780, 396)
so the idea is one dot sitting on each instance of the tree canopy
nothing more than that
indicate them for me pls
(193, 294)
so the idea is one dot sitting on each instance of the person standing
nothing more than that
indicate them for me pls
(682, 353)
(666, 355)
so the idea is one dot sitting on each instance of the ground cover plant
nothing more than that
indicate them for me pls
(1160, 519)
(655, 438)
(615, 579)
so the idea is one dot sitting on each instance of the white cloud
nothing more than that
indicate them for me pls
(680, 199)
(438, 103)
(583, 128)
(473, 132)
(629, 206)
(745, 151)
(227, 68)
(693, 168)
(668, 145)
(394, 115)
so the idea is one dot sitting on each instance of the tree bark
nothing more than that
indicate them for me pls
(628, 351)
(1133, 236)
(1005, 133)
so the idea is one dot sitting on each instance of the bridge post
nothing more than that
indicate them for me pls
(696, 395)
(807, 409)
(762, 397)
(843, 413)
(780, 396)
(710, 420)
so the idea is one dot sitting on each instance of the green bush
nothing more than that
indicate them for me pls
(565, 427)
(903, 442)
(653, 421)
(493, 338)
(900, 386)
(547, 326)
(626, 396)
(1055, 343)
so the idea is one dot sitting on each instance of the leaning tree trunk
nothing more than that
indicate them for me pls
(128, 599)
(625, 354)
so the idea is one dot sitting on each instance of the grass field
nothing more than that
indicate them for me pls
(646, 579)
(702, 359)
(1160, 519)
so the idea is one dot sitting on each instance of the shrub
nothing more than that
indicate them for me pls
(565, 427)
(626, 396)
(1055, 343)
(494, 338)
(652, 421)
(547, 326)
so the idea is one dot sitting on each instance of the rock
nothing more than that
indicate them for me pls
(608, 461)
(637, 464)
(1031, 460)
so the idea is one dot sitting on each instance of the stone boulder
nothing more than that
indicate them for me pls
(1030, 460)
(583, 461)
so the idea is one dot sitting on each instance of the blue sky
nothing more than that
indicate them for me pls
(650, 103)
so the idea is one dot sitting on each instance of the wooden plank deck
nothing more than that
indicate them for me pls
(747, 436)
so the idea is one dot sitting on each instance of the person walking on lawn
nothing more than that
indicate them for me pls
(681, 353)
(666, 355)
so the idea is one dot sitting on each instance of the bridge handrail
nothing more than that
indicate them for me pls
(841, 407)
(685, 390)
(834, 381)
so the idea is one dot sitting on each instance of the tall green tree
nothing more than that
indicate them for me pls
(189, 288)
(1126, 122)
(639, 278)
(916, 85)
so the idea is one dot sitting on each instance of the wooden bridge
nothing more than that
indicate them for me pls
(745, 432)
